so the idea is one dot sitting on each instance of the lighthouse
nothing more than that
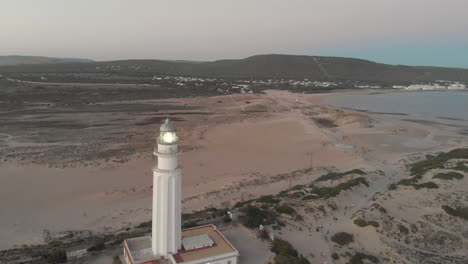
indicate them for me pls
(167, 174)
(168, 243)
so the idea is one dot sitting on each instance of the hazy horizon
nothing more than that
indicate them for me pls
(431, 32)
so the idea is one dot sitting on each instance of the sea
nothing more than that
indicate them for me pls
(420, 105)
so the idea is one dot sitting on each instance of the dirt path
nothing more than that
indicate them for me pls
(354, 203)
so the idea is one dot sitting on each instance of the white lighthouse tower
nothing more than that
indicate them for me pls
(166, 233)
(168, 243)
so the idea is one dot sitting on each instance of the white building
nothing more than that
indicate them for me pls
(168, 243)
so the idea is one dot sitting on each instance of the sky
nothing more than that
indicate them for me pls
(411, 32)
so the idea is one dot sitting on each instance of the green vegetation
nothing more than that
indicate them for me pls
(342, 238)
(279, 259)
(427, 185)
(255, 216)
(56, 255)
(437, 162)
(283, 247)
(420, 168)
(328, 192)
(359, 258)
(461, 166)
(363, 223)
(146, 224)
(335, 256)
(339, 175)
(325, 122)
(403, 229)
(461, 212)
(286, 209)
(267, 199)
(448, 176)
(286, 254)
(241, 204)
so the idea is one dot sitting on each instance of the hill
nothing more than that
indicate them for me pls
(19, 60)
(260, 67)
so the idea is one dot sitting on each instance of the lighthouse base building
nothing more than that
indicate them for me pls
(203, 244)
(168, 243)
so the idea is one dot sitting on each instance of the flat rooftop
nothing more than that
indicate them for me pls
(220, 245)
(140, 249)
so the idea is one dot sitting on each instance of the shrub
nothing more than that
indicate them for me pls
(267, 199)
(335, 256)
(342, 238)
(403, 229)
(283, 248)
(98, 246)
(263, 234)
(190, 224)
(339, 175)
(146, 224)
(449, 176)
(363, 223)
(290, 260)
(458, 212)
(461, 166)
(328, 192)
(428, 185)
(255, 216)
(286, 209)
(324, 122)
(437, 162)
(359, 258)
(56, 255)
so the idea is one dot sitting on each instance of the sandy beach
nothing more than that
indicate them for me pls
(233, 147)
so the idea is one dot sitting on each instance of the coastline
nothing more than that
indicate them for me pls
(231, 158)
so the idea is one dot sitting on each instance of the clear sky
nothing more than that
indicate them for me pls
(414, 32)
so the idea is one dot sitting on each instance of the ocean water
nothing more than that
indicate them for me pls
(425, 105)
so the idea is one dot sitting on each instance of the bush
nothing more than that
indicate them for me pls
(342, 238)
(335, 256)
(363, 223)
(461, 166)
(403, 229)
(324, 122)
(268, 199)
(328, 192)
(255, 216)
(190, 224)
(145, 224)
(290, 260)
(437, 162)
(283, 248)
(427, 185)
(56, 255)
(359, 258)
(339, 175)
(458, 212)
(98, 246)
(286, 209)
(263, 234)
(449, 176)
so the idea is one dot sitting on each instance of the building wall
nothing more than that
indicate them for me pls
(231, 258)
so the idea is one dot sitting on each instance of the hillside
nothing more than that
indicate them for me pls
(19, 60)
(260, 67)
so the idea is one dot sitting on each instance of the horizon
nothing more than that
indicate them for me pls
(385, 32)
(202, 61)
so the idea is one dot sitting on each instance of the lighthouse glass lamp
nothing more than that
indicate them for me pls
(167, 134)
